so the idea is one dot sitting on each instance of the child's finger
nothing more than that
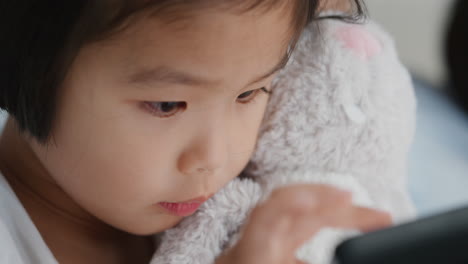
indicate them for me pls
(292, 215)
(338, 216)
(352, 217)
(366, 219)
(271, 225)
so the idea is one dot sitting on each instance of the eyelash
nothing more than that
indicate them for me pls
(253, 95)
(159, 112)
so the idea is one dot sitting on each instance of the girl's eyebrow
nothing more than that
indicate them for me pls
(165, 74)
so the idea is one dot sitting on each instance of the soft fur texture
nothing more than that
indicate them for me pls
(342, 113)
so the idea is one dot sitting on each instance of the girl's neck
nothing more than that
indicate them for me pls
(72, 234)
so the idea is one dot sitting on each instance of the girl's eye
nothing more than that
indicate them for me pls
(168, 109)
(247, 97)
(164, 109)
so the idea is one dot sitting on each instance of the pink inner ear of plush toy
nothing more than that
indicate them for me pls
(360, 41)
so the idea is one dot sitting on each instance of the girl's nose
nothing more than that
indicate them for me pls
(206, 154)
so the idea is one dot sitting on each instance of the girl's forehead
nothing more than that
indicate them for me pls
(212, 23)
(213, 43)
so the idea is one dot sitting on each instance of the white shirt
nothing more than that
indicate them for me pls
(20, 241)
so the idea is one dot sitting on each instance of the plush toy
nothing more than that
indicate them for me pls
(342, 113)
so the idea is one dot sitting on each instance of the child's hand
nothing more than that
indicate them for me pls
(291, 216)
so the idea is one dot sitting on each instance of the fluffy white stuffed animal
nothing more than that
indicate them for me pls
(341, 113)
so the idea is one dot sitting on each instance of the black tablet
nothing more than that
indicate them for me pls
(442, 239)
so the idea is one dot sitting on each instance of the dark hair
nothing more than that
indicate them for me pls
(456, 53)
(40, 39)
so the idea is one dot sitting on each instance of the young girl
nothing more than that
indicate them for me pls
(125, 116)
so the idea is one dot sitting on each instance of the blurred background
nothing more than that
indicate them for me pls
(429, 40)
(438, 165)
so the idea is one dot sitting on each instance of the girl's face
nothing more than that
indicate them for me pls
(163, 112)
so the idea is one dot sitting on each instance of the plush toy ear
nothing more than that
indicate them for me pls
(359, 40)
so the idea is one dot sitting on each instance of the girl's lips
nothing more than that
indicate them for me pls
(180, 209)
(184, 208)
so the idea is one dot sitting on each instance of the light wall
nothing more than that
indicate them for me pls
(419, 28)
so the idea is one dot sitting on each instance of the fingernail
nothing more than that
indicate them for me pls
(344, 194)
(305, 198)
